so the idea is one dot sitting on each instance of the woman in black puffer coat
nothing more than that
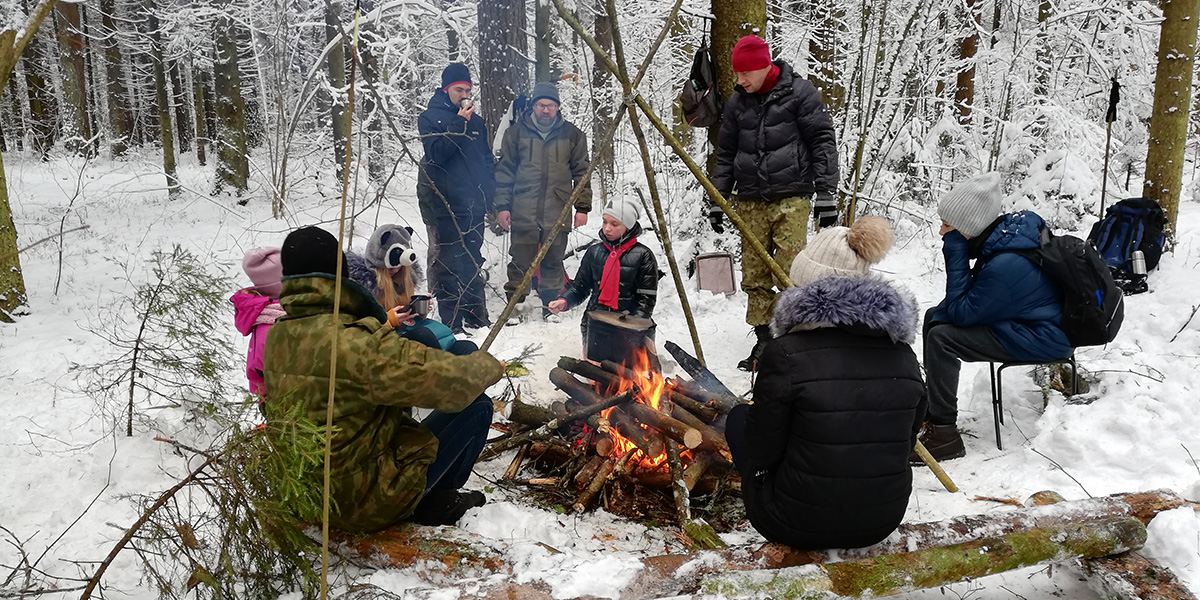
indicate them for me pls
(823, 450)
(636, 290)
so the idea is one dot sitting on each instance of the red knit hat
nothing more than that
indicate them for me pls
(751, 54)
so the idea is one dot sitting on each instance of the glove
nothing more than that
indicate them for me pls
(716, 218)
(824, 210)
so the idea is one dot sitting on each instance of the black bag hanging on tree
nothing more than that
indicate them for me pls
(701, 96)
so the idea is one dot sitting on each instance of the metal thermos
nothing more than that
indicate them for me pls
(1139, 262)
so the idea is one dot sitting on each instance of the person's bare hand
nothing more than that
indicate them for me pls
(467, 112)
(946, 228)
(503, 367)
(557, 306)
(504, 218)
(403, 315)
(580, 220)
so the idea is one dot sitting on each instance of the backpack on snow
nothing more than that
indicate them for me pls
(701, 99)
(1093, 304)
(1131, 224)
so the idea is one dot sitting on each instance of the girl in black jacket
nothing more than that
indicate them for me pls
(823, 450)
(618, 274)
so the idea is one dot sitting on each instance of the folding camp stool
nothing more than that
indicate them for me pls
(997, 374)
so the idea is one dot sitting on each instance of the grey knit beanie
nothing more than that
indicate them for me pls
(842, 251)
(624, 211)
(544, 89)
(973, 204)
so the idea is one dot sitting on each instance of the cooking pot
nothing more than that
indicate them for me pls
(616, 336)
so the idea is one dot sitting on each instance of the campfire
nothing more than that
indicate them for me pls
(624, 432)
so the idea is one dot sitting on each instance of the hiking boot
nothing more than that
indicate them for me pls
(942, 441)
(475, 321)
(750, 363)
(445, 507)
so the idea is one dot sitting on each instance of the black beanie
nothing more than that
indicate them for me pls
(310, 250)
(455, 73)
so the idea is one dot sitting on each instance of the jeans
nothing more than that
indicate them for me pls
(457, 272)
(460, 437)
(946, 346)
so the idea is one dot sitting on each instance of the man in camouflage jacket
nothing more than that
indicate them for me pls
(380, 454)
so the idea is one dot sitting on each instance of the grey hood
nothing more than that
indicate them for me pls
(853, 303)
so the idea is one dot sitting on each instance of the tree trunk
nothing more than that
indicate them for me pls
(823, 48)
(162, 96)
(120, 120)
(1172, 101)
(541, 40)
(43, 108)
(735, 19)
(453, 44)
(69, 29)
(601, 107)
(503, 66)
(1131, 576)
(964, 92)
(233, 168)
(337, 81)
(18, 116)
(12, 282)
(183, 122)
(1042, 68)
(202, 102)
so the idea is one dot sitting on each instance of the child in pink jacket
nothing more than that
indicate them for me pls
(256, 309)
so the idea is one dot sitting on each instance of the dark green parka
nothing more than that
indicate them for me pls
(380, 453)
(535, 176)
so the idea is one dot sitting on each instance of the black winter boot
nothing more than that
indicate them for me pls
(750, 363)
(445, 507)
(942, 441)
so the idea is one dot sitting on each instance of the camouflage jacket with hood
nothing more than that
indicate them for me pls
(380, 453)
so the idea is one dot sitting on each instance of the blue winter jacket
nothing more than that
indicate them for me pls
(1019, 303)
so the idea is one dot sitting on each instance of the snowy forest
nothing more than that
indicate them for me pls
(146, 146)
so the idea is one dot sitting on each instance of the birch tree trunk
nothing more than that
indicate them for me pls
(1172, 101)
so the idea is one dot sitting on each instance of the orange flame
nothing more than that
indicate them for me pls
(649, 388)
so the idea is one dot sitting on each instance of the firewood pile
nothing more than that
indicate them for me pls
(624, 433)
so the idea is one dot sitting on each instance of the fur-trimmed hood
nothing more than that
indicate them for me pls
(851, 303)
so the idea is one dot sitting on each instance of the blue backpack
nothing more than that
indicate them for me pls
(1129, 225)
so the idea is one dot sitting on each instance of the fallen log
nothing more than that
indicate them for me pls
(593, 488)
(693, 390)
(937, 566)
(1128, 576)
(529, 414)
(700, 374)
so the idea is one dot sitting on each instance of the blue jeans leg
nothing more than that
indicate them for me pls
(460, 437)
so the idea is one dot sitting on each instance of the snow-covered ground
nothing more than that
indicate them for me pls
(63, 471)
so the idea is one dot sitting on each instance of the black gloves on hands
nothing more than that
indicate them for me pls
(824, 209)
(716, 218)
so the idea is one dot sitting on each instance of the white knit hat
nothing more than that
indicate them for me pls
(624, 211)
(842, 251)
(973, 204)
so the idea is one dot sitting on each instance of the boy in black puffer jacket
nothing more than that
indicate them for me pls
(619, 274)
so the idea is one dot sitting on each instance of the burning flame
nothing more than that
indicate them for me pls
(649, 388)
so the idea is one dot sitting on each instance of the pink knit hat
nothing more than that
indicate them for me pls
(264, 269)
(750, 54)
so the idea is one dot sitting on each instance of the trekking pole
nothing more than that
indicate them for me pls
(1114, 96)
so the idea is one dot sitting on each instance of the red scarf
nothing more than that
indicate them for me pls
(769, 82)
(610, 281)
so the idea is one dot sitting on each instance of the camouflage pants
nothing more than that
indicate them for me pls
(782, 227)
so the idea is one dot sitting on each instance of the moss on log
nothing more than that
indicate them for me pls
(937, 566)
